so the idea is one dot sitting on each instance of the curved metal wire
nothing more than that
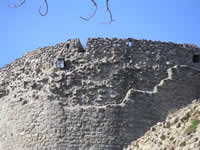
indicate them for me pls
(91, 16)
(47, 9)
(110, 13)
(18, 5)
(86, 19)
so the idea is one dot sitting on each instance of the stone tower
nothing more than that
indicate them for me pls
(65, 97)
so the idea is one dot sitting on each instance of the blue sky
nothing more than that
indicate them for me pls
(23, 29)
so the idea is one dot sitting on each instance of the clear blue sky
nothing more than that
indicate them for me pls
(23, 29)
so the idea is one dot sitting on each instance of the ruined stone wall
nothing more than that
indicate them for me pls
(179, 89)
(41, 125)
(106, 96)
(102, 73)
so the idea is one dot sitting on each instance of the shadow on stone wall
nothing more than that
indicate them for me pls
(115, 126)
(144, 109)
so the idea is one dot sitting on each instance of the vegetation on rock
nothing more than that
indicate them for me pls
(180, 131)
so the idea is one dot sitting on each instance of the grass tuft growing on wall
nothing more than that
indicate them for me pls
(193, 126)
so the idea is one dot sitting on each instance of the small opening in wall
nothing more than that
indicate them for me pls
(129, 43)
(24, 102)
(196, 59)
(60, 63)
(67, 46)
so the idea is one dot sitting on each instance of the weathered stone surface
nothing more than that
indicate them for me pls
(177, 136)
(108, 94)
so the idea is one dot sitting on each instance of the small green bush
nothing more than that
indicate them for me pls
(193, 126)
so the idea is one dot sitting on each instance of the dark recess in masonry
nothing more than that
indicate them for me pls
(24, 102)
(196, 59)
(60, 63)
(67, 46)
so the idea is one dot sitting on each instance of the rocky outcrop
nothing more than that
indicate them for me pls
(101, 97)
(180, 131)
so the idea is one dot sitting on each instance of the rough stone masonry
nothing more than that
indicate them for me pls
(101, 97)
